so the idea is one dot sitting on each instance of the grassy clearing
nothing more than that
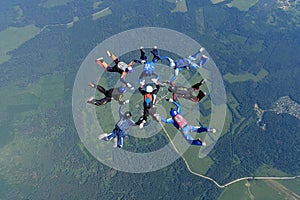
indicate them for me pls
(13, 37)
(55, 3)
(217, 1)
(102, 13)
(180, 5)
(42, 94)
(97, 4)
(235, 190)
(197, 165)
(231, 78)
(242, 5)
(200, 20)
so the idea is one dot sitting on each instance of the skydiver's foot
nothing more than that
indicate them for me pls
(90, 100)
(202, 81)
(103, 136)
(202, 143)
(211, 130)
(93, 85)
(132, 88)
(201, 49)
(108, 53)
(142, 124)
(100, 59)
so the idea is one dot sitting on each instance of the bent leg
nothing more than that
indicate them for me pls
(143, 55)
(156, 57)
(120, 141)
(202, 60)
(102, 101)
(111, 135)
(194, 56)
(200, 95)
(176, 72)
(199, 129)
(197, 85)
(113, 57)
(102, 63)
(101, 89)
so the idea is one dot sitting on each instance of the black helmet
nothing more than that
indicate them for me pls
(127, 114)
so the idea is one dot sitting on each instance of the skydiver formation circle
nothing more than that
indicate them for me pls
(91, 120)
(149, 94)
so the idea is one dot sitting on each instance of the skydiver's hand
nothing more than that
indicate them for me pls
(142, 83)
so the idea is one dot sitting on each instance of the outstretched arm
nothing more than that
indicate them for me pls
(170, 60)
(123, 75)
(167, 121)
(178, 107)
(120, 112)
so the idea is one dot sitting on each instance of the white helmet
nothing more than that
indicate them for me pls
(149, 89)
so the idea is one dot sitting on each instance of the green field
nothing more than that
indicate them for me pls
(231, 78)
(180, 5)
(216, 1)
(54, 3)
(242, 5)
(102, 13)
(13, 37)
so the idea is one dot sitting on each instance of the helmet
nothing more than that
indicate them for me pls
(129, 69)
(173, 112)
(122, 89)
(149, 89)
(127, 114)
(143, 61)
(122, 65)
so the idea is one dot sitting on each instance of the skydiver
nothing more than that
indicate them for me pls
(181, 124)
(187, 93)
(120, 129)
(189, 62)
(148, 69)
(113, 93)
(120, 67)
(149, 102)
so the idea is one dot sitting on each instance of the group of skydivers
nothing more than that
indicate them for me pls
(149, 94)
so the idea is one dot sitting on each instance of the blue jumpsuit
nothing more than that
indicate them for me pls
(186, 129)
(185, 63)
(120, 129)
(148, 69)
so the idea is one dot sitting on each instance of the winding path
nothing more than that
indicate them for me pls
(234, 181)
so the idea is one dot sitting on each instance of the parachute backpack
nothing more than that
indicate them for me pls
(179, 120)
(148, 98)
